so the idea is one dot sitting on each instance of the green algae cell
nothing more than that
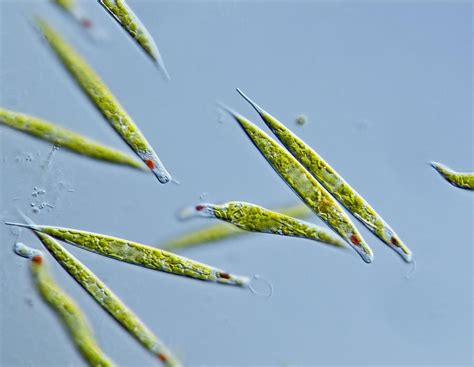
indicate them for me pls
(463, 180)
(127, 19)
(305, 186)
(63, 137)
(223, 231)
(333, 183)
(104, 100)
(138, 254)
(72, 317)
(254, 218)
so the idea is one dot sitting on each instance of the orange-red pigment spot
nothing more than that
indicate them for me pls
(150, 164)
(224, 275)
(37, 259)
(355, 240)
(199, 207)
(86, 23)
(162, 357)
(394, 241)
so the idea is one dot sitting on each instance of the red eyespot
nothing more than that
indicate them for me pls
(162, 357)
(200, 207)
(394, 241)
(86, 23)
(224, 275)
(37, 259)
(150, 164)
(355, 240)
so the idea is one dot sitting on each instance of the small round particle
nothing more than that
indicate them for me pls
(301, 120)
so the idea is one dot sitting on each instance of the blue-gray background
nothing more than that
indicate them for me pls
(387, 87)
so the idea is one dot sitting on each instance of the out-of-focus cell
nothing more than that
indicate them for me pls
(64, 306)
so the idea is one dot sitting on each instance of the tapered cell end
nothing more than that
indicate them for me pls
(23, 225)
(435, 165)
(405, 254)
(367, 256)
(407, 257)
(441, 168)
(241, 120)
(257, 108)
(155, 166)
(162, 178)
(162, 68)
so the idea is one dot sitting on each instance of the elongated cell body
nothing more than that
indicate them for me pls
(138, 254)
(127, 19)
(223, 231)
(103, 99)
(464, 180)
(334, 183)
(254, 218)
(65, 138)
(64, 306)
(305, 186)
(108, 300)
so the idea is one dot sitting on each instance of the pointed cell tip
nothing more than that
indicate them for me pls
(165, 73)
(252, 103)
(434, 164)
(162, 68)
(157, 60)
(24, 225)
